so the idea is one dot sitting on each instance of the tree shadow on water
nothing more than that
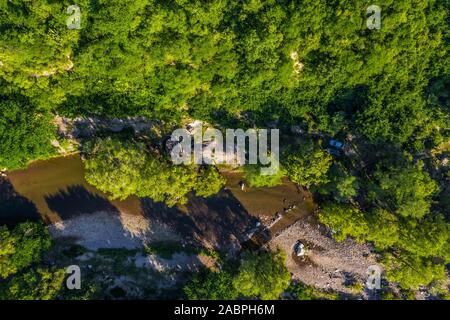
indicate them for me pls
(15, 208)
(219, 220)
(76, 200)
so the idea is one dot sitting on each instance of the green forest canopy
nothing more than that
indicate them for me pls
(217, 59)
(230, 63)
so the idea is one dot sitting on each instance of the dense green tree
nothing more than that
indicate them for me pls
(383, 228)
(406, 189)
(412, 271)
(342, 186)
(307, 164)
(344, 220)
(115, 166)
(22, 276)
(211, 285)
(245, 63)
(123, 168)
(22, 246)
(429, 237)
(208, 181)
(39, 284)
(25, 133)
(263, 276)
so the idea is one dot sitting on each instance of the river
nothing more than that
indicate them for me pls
(55, 189)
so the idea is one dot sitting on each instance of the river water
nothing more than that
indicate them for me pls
(55, 190)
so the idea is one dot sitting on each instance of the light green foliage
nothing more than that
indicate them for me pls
(25, 134)
(115, 167)
(254, 177)
(125, 168)
(21, 251)
(408, 188)
(264, 276)
(231, 62)
(383, 228)
(39, 284)
(412, 271)
(421, 246)
(208, 182)
(211, 285)
(307, 164)
(22, 246)
(429, 237)
(344, 220)
(200, 58)
(35, 44)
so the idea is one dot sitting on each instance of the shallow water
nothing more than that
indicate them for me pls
(287, 199)
(58, 190)
(55, 190)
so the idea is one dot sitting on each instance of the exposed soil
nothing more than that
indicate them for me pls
(329, 264)
(111, 230)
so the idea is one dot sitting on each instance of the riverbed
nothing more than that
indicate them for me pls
(55, 191)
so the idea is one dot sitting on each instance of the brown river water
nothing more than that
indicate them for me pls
(55, 190)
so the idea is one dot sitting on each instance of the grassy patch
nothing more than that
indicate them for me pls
(301, 291)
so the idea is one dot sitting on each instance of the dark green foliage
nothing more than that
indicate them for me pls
(301, 291)
(171, 58)
(406, 189)
(22, 276)
(342, 185)
(344, 220)
(211, 285)
(22, 247)
(264, 276)
(39, 284)
(421, 247)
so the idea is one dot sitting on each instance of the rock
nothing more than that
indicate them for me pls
(116, 125)
(300, 249)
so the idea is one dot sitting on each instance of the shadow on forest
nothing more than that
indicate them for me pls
(219, 220)
(15, 208)
(76, 200)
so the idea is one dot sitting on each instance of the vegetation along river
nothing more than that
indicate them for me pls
(55, 189)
